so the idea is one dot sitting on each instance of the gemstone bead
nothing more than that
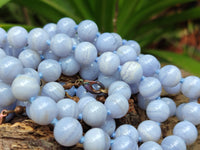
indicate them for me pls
(32, 73)
(171, 104)
(51, 29)
(118, 39)
(2, 53)
(83, 102)
(109, 126)
(143, 102)
(89, 72)
(173, 90)
(135, 45)
(179, 112)
(50, 55)
(150, 145)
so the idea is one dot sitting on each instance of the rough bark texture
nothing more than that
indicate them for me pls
(22, 133)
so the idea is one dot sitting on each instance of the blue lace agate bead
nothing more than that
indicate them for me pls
(32, 73)
(85, 53)
(87, 30)
(171, 104)
(67, 108)
(67, 26)
(50, 55)
(29, 58)
(109, 126)
(143, 102)
(131, 72)
(158, 111)
(173, 142)
(51, 29)
(117, 105)
(43, 110)
(150, 145)
(10, 67)
(118, 39)
(169, 75)
(97, 139)
(179, 111)
(187, 131)
(173, 90)
(53, 90)
(2, 53)
(83, 102)
(150, 88)
(3, 37)
(61, 45)
(89, 72)
(135, 45)
(149, 131)
(191, 87)
(124, 143)
(68, 131)
(134, 88)
(50, 70)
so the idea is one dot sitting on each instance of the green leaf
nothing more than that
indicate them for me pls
(3, 2)
(182, 61)
(7, 26)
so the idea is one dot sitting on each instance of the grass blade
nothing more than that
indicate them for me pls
(3, 2)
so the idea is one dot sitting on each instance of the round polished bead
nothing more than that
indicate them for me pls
(149, 65)
(2, 53)
(127, 130)
(191, 112)
(50, 70)
(17, 37)
(173, 142)
(97, 139)
(150, 88)
(83, 102)
(32, 73)
(67, 108)
(108, 63)
(126, 53)
(109, 126)
(10, 67)
(51, 29)
(24, 87)
(50, 55)
(143, 102)
(61, 45)
(173, 90)
(158, 111)
(191, 87)
(66, 25)
(68, 131)
(120, 87)
(131, 72)
(85, 53)
(43, 110)
(53, 90)
(89, 72)
(134, 88)
(106, 42)
(118, 39)
(179, 112)
(3, 36)
(69, 65)
(117, 104)
(135, 45)
(6, 95)
(150, 145)
(124, 143)
(171, 104)
(29, 58)
(94, 113)
(187, 131)
(37, 39)
(169, 75)
(87, 30)
(149, 131)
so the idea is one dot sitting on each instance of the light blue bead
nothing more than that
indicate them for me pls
(173, 142)
(158, 111)
(109, 126)
(149, 65)
(61, 45)
(171, 104)
(68, 131)
(37, 39)
(120, 87)
(11, 51)
(9, 107)
(108, 80)
(29, 58)
(191, 112)
(53, 90)
(6, 95)
(118, 39)
(32, 73)
(134, 88)
(81, 92)
(66, 25)
(24, 87)
(142, 102)
(150, 88)
(191, 87)
(126, 53)
(150, 145)
(135, 45)
(187, 131)
(50, 70)
(51, 29)
(96, 139)
(94, 113)
(85, 53)
(131, 72)
(69, 65)
(67, 108)
(2, 53)
(87, 30)
(10, 67)
(106, 42)
(17, 37)
(43, 110)
(169, 75)
(117, 104)
(149, 131)
(3, 37)
(83, 102)
(127, 130)
(173, 90)
(50, 55)
(179, 112)
(124, 143)
(89, 72)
